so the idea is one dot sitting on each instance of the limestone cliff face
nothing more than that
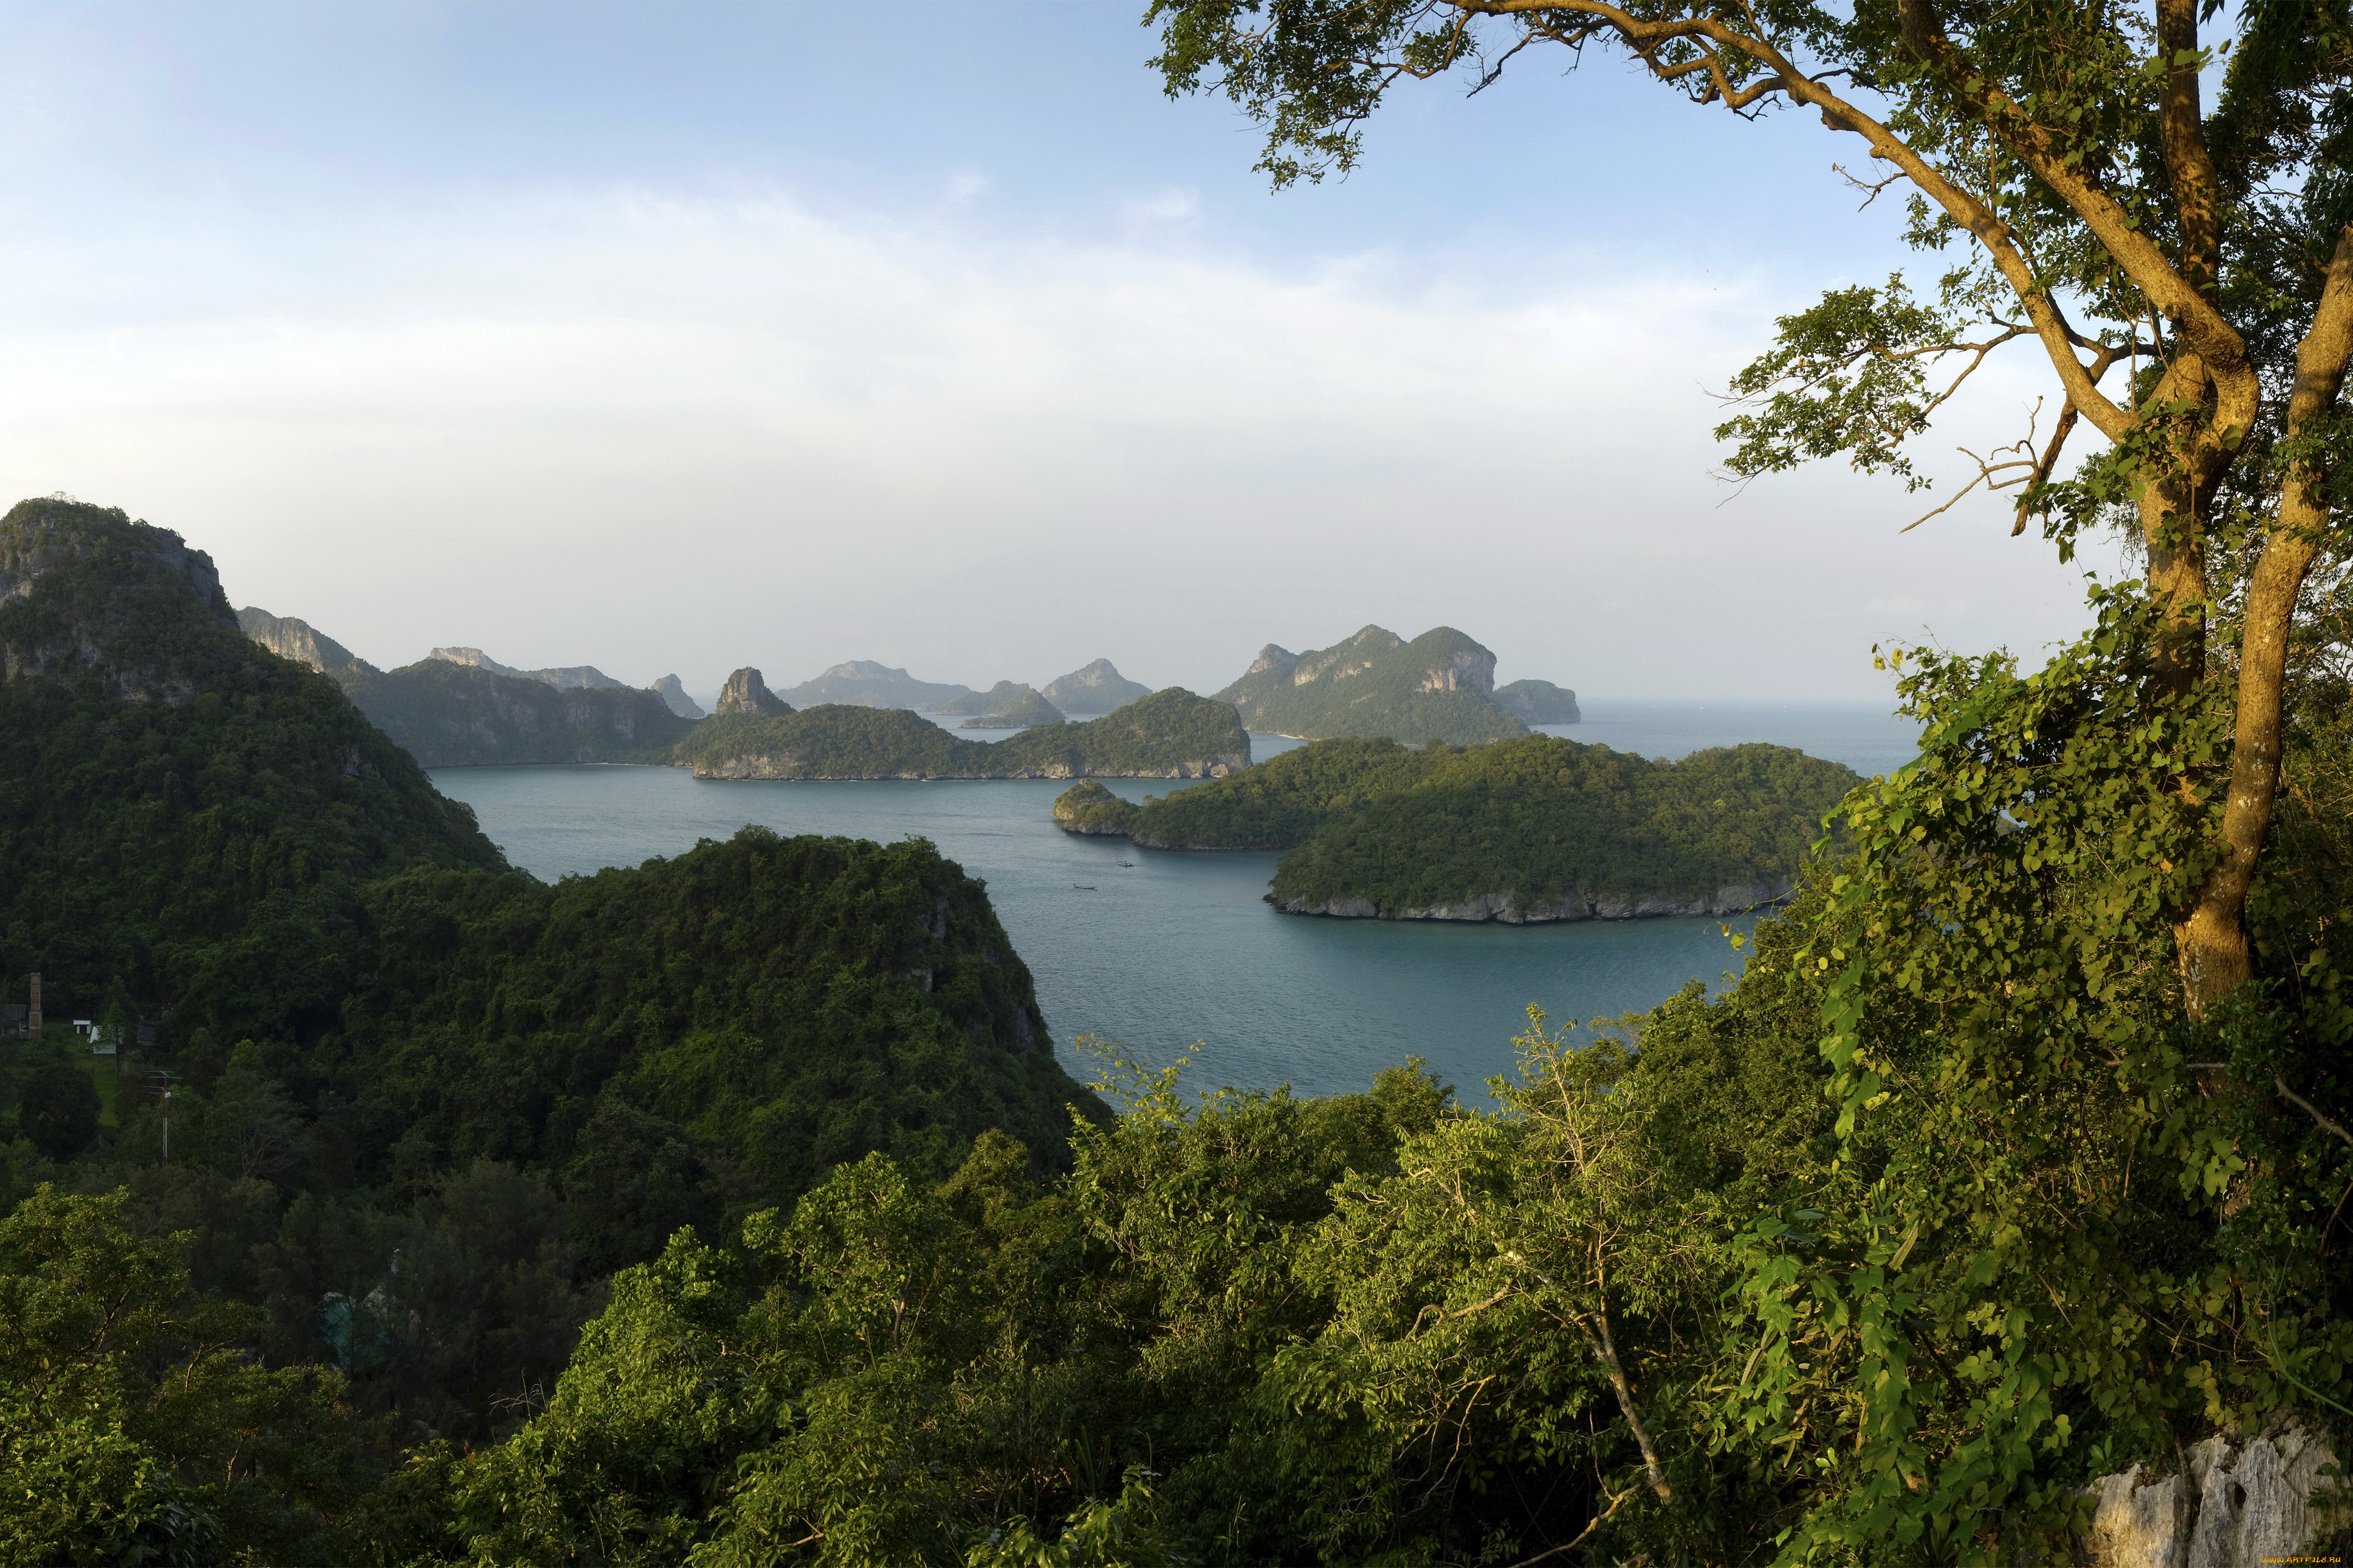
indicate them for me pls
(2237, 1504)
(1505, 909)
(290, 636)
(672, 691)
(89, 633)
(745, 692)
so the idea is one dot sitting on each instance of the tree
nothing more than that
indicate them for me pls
(2102, 214)
(2085, 1037)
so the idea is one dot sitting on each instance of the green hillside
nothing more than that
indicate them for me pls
(1170, 734)
(180, 808)
(1437, 687)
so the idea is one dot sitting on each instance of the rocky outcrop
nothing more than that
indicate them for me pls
(672, 692)
(2237, 1504)
(1504, 908)
(745, 692)
(1097, 687)
(290, 636)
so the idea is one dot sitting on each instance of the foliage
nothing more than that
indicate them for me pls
(132, 1427)
(1377, 683)
(456, 715)
(1170, 734)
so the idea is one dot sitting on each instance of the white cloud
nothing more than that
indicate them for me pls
(657, 433)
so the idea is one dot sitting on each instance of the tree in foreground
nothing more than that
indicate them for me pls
(2081, 983)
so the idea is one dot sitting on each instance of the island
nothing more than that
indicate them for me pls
(1525, 831)
(1171, 734)
(1026, 711)
(998, 699)
(863, 683)
(1097, 687)
(1538, 702)
(1438, 686)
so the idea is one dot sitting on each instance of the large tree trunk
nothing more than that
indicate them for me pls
(2210, 940)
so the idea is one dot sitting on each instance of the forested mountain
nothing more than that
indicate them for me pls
(421, 1103)
(184, 810)
(448, 714)
(1438, 686)
(1170, 734)
(1533, 829)
(1097, 688)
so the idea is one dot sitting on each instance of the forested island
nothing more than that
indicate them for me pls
(1524, 831)
(1438, 686)
(1170, 734)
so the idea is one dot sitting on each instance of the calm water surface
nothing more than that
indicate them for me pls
(1175, 951)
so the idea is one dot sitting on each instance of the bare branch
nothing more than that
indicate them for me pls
(2309, 1110)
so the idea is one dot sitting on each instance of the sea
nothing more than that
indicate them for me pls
(1160, 955)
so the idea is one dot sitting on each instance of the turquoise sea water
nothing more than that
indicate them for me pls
(1169, 952)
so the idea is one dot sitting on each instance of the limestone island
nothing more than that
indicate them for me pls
(1521, 832)
(1438, 686)
(1171, 734)
(1026, 710)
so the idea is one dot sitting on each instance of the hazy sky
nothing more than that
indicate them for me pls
(680, 336)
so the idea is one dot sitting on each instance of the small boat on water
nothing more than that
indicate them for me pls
(1084, 888)
(1127, 863)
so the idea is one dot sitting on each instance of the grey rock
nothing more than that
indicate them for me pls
(290, 636)
(745, 692)
(672, 692)
(2238, 1505)
(1504, 908)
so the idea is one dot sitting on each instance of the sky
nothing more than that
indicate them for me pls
(677, 337)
